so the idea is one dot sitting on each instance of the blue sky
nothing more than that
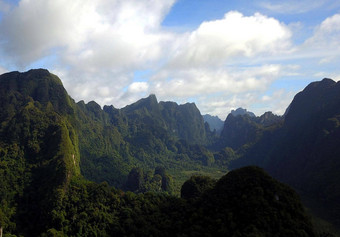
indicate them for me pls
(219, 54)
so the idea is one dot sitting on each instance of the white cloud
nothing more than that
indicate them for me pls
(91, 31)
(327, 34)
(199, 81)
(98, 45)
(216, 58)
(324, 44)
(137, 87)
(233, 37)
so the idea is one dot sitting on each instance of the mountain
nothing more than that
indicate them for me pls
(244, 129)
(55, 152)
(110, 141)
(304, 152)
(215, 123)
(47, 141)
(145, 134)
(181, 121)
(38, 148)
(241, 111)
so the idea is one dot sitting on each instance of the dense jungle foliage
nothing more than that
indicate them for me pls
(75, 169)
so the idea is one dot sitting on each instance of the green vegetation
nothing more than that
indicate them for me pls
(63, 166)
(246, 202)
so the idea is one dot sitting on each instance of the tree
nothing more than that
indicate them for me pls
(196, 185)
(135, 179)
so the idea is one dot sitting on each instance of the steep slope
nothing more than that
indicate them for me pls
(305, 151)
(38, 148)
(180, 121)
(245, 130)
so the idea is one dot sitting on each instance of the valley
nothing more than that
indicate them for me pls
(73, 168)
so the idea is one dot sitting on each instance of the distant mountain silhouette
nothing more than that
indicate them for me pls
(215, 123)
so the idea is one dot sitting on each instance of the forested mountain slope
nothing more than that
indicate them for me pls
(38, 148)
(111, 142)
(305, 151)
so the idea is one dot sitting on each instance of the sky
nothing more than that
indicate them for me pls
(219, 54)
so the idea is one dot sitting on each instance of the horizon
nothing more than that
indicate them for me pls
(219, 55)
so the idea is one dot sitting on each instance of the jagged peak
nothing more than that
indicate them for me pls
(149, 102)
(241, 111)
(152, 97)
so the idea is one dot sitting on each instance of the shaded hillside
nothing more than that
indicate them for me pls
(305, 151)
(245, 202)
(245, 130)
(248, 202)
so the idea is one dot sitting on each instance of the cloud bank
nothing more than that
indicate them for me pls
(99, 49)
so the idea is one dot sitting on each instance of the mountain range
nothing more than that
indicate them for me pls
(56, 154)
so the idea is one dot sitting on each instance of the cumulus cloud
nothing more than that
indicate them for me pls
(82, 28)
(327, 34)
(215, 61)
(95, 43)
(235, 36)
(198, 81)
